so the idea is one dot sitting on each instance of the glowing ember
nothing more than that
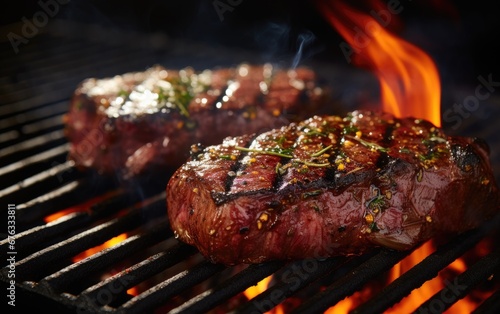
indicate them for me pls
(83, 207)
(260, 287)
(133, 291)
(111, 242)
(409, 80)
(420, 295)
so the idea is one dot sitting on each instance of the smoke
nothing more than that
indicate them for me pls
(304, 40)
(278, 41)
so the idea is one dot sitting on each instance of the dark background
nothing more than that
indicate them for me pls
(462, 36)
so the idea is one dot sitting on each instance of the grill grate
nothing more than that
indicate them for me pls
(170, 276)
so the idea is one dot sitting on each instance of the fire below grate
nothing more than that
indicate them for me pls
(62, 213)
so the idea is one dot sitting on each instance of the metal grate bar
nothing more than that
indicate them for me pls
(27, 163)
(490, 305)
(31, 239)
(49, 110)
(139, 272)
(462, 284)
(30, 147)
(425, 270)
(351, 282)
(293, 278)
(229, 288)
(62, 88)
(37, 265)
(40, 83)
(159, 294)
(42, 182)
(71, 194)
(68, 276)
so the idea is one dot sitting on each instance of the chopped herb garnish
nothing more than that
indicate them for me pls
(433, 154)
(123, 93)
(368, 144)
(437, 139)
(281, 140)
(314, 131)
(350, 129)
(373, 227)
(280, 169)
(180, 92)
(313, 164)
(264, 152)
(282, 153)
(376, 203)
(321, 152)
(280, 150)
(311, 193)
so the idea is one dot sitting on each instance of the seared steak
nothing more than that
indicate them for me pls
(330, 186)
(146, 120)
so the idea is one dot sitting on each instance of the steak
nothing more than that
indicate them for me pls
(330, 186)
(146, 121)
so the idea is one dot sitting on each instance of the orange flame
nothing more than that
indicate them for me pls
(410, 87)
(260, 287)
(409, 80)
(111, 242)
(83, 207)
(134, 291)
(427, 290)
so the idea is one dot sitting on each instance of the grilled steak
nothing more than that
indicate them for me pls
(148, 120)
(330, 186)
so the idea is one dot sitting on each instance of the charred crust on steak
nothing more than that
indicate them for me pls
(348, 184)
(465, 157)
(138, 121)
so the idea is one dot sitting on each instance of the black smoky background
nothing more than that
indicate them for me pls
(462, 37)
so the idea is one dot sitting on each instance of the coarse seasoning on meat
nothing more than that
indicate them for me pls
(330, 186)
(146, 121)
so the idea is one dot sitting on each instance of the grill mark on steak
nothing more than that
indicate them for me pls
(236, 168)
(429, 185)
(129, 124)
(384, 159)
